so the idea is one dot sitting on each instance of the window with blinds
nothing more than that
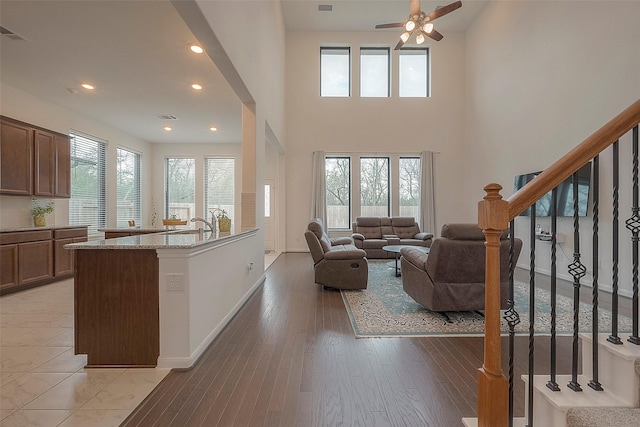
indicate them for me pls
(219, 188)
(180, 193)
(128, 186)
(87, 205)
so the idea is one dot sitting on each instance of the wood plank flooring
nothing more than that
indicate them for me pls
(289, 358)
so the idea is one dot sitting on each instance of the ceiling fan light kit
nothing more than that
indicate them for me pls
(422, 22)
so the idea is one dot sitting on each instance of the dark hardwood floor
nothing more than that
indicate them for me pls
(289, 358)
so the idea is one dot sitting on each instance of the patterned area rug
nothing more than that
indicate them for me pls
(385, 310)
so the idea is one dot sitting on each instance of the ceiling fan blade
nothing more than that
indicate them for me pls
(414, 7)
(399, 45)
(393, 25)
(443, 10)
(434, 35)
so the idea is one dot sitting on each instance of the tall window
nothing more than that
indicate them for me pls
(335, 71)
(180, 188)
(374, 72)
(128, 186)
(338, 178)
(374, 186)
(87, 205)
(410, 186)
(219, 188)
(414, 72)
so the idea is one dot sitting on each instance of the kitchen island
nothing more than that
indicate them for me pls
(159, 299)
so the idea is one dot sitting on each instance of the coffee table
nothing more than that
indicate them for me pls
(396, 249)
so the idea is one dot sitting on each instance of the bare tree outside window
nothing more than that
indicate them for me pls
(410, 186)
(180, 187)
(374, 186)
(338, 176)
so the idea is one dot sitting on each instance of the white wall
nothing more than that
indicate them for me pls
(373, 125)
(541, 77)
(29, 108)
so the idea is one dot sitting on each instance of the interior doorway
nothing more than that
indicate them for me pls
(269, 215)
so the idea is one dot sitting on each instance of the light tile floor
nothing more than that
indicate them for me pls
(42, 383)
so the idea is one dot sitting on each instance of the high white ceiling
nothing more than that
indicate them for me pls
(136, 54)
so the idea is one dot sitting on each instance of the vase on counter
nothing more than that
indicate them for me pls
(224, 224)
(40, 221)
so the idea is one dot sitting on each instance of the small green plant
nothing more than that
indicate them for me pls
(38, 210)
(173, 217)
(219, 213)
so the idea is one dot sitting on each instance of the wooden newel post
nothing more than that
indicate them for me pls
(493, 387)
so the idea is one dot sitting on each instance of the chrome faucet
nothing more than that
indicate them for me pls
(211, 226)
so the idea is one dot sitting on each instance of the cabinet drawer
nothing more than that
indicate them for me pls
(69, 233)
(24, 236)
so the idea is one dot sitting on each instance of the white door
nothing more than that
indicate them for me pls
(269, 215)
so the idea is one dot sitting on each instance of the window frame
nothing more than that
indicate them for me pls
(166, 183)
(387, 51)
(348, 72)
(229, 210)
(349, 185)
(86, 140)
(388, 189)
(410, 50)
(137, 184)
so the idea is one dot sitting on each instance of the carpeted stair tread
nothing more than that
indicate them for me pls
(603, 417)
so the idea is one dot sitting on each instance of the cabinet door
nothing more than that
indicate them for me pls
(36, 261)
(63, 166)
(62, 258)
(16, 152)
(8, 266)
(44, 164)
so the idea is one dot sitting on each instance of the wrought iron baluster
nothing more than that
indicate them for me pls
(532, 310)
(633, 224)
(594, 383)
(552, 384)
(512, 318)
(577, 270)
(614, 338)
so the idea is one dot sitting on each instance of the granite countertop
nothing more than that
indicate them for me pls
(52, 227)
(173, 239)
(133, 229)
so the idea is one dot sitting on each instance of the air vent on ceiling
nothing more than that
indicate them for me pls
(325, 7)
(167, 117)
(10, 34)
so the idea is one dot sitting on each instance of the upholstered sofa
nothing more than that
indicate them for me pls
(451, 276)
(372, 233)
(337, 262)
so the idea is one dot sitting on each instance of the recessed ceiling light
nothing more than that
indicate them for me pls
(213, 128)
(196, 86)
(168, 128)
(87, 86)
(196, 49)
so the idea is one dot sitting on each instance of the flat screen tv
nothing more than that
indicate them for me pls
(565, 194)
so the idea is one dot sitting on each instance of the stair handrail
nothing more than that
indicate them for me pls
(494, 215)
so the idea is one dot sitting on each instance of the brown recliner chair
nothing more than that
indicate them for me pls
(451, 276)
(337, 262)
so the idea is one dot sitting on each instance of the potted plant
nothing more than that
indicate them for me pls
(224, 222)
(38, 212)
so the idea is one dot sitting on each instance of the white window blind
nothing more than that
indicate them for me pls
(219, 186)
(180, 193)
(374, 72)
(87, 205)
(128, 186)
(335, 71)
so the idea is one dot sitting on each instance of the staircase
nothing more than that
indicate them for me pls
(604, 386)
(618, 405)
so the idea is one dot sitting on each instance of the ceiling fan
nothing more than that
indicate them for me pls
(421, 23)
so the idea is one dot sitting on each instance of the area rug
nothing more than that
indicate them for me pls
(385, 310)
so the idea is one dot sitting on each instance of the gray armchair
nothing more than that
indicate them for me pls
(337, 262)
(451, 276)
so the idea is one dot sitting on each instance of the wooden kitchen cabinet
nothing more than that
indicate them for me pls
(16, 158)
(34, 161)
(35, 257)
(63, 258)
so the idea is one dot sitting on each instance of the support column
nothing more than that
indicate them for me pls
(493, 387)
(248, 192)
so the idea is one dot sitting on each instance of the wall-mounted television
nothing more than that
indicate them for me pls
(565, 194)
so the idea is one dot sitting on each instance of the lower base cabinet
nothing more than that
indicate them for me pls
(34, 257)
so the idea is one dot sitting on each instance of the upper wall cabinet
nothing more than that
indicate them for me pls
(34, 161)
